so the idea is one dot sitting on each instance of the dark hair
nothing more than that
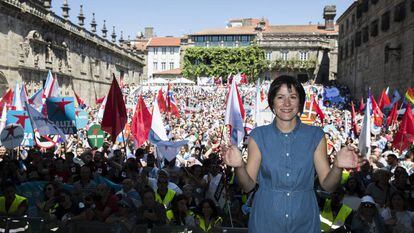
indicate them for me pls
(397, 193)
(213, 207)
(290, 82)
(174, 208)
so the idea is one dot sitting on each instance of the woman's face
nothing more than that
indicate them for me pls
(352, 184)
(49, 191)
(207, 209)
(286, 103)
(182, 206)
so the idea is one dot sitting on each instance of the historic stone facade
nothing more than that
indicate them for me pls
(376, 46)
(34, 40)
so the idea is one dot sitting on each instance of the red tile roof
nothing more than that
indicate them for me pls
(173, 71)
(164, 41)
(299, 29)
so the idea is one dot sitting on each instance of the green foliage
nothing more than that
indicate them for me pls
(217, 61)
(293, 64)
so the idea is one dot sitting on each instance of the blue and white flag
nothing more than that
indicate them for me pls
(42, 124)
(61, 111)
(22, 118)
(157, 132)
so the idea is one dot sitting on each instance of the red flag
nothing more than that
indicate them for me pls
(378, 116)
(81, 102)
(405, 135)
(243, 79)
(141, 123)
(99, 100)
(115, 114)
(161, 101)
(318, 110)
(7, 99)
(353, 119)
(361, 106)
(384, 100)
(392, 118)
(171, 103)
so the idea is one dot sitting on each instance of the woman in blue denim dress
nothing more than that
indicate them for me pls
(282, 159)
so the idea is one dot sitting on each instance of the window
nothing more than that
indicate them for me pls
(284, 55)
(245, 38)
(155, 64)
(365, 5)
(171, 50)
(155, 50)
(162, 65)
(346, 49)
(341, 30)
(214, 38)
(352, 47)
(385, 21)
(358, 38)
(269, 55)
(164, 50)
(365, 34)
(399, 12)
(346, 24)
(171, 65)
(374, 28)
(303, 56)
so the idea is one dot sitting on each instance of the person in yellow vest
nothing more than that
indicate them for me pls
(207, 219)
(163, 194)
(179, 214)
(11, 204)
(335, 216)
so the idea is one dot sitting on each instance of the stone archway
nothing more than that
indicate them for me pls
(4, 85)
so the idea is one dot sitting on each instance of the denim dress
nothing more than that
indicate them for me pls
(285, 200)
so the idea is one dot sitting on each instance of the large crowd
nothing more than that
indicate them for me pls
(118, 183)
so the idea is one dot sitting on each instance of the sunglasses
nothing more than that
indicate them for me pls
(368, 205)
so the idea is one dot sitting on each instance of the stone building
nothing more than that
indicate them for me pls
(33, 40)
(308, 52)
(376, 46)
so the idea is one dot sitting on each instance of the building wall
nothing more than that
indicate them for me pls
(155, 54)
(378, 61)
(33, 41)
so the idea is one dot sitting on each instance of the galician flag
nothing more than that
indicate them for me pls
(235, 115)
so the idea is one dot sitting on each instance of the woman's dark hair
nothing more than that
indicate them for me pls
(213, 207)
(56, 189)
(290, 82)
(174, 207)
(358, 189)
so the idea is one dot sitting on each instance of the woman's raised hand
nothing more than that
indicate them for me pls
(232, 156)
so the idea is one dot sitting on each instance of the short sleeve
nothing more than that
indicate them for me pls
(317, 135)
(254, 134)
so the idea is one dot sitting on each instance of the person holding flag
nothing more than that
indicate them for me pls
(282, 159)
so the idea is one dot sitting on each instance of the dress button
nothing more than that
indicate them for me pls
(287, 215)
(287, 154)
(288, 194)
(286, 135)
(287, 174)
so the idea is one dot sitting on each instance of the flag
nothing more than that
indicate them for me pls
(169, 150)
(157, 132)
(121, 81)
(23, 95)
(384, 100)
(3, 118)
(353, 119)
(42, 125)
(115, 114)
(141, 123)
(364, 144)
(392, 118)
(100, 100)
(361, 106)
(36, 99)
(318, 110)
(6, 99)
(102, 108)
(81, 102)
(378, 116)
(172, 107)
(243, 79)
(395, 98)
(161, 101)
(258, 101)
(405, 135)
(409, 94)
(17, 103)
(234, 116)
(51, 88)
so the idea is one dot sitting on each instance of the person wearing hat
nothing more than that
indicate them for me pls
(367, 218)
(335, 216)
(163, 194)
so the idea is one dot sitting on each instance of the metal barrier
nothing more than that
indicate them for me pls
(21, 225)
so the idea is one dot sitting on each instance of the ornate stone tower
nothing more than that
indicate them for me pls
(329, 13)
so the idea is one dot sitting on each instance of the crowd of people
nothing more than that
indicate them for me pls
(130, 186)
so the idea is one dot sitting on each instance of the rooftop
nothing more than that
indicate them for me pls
(173, 71)
(164, 41)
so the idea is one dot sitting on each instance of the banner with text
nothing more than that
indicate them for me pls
(22, 118)
(61, 111)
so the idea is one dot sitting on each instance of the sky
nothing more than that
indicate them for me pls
(180, 17)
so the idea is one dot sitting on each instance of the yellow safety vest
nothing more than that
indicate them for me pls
(14, 206)
(202, 223)
(344, 177)
(167, 199)
(327, 220)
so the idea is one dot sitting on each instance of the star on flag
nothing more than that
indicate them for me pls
(11, 130)
(60, 106)
(21, 120)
